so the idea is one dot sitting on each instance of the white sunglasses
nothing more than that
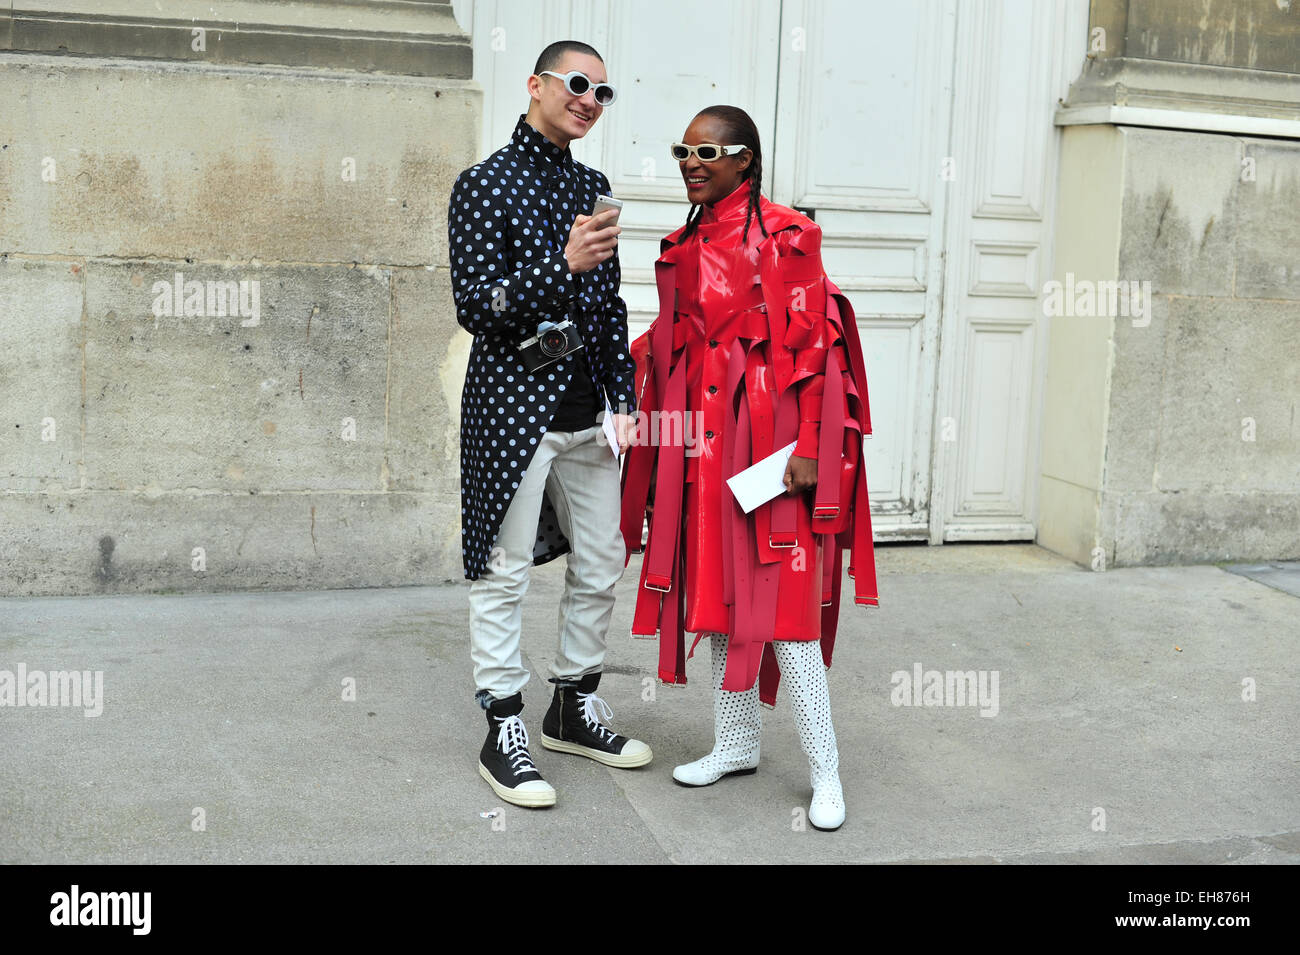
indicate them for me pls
(705, 152)
(577, 83)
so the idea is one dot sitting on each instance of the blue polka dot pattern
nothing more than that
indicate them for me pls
(508, 222)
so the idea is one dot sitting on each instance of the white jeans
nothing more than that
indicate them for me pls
(581, 477)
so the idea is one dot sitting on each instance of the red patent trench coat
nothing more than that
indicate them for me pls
(753, 349)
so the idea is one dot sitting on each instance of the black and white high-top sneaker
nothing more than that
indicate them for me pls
(573, 725)
(504, 760)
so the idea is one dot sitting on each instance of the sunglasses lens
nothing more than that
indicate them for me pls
(680, 153)
(604, 94)
(577, 84)
(706, 153)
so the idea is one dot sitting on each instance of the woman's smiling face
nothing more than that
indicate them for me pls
(707, 182)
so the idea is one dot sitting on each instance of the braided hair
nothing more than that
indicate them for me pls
(741, 131)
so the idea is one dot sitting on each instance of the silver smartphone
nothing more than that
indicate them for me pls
(604, 204)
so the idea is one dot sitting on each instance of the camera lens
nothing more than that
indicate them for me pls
(552, 343)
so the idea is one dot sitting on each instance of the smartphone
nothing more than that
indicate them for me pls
(604, 204)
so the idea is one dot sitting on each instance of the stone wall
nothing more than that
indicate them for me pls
(1173, 437)
(228, 354)
(1203, 440)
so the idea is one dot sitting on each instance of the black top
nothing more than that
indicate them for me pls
(578, 407)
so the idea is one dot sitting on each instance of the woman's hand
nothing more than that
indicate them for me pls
(624, 427)
(800, 475)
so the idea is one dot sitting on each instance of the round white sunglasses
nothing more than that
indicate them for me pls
(577, 83)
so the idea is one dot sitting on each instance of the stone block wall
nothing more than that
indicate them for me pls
(228, 352)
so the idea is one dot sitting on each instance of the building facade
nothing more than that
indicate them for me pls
(228, 354)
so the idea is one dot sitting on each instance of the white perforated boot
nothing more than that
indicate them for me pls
(737, 729)
(805, 674)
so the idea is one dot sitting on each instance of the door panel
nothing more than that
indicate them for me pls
(862, 119)
(1009, 54)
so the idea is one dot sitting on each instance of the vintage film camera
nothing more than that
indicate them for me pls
(552, 342)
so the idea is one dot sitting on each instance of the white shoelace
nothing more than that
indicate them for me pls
(593, 707)
(512, 739)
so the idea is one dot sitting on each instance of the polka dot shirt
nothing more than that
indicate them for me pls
(508, 222)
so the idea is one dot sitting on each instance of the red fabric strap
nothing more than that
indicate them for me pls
(769, 270)
(665, 530)
(830, 446)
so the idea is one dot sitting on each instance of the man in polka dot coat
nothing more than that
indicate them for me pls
(537, 478)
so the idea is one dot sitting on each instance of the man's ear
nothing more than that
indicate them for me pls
(534, 87)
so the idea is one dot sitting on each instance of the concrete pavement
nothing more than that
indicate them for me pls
(1123, 731)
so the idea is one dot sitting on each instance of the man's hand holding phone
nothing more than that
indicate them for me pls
(592, 240)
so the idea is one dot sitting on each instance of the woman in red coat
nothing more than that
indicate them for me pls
(753, 350)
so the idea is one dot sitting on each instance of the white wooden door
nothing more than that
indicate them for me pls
(1014, 58)
(864, 109)
(919, 136)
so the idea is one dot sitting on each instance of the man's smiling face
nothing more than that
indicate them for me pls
(558, 114)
